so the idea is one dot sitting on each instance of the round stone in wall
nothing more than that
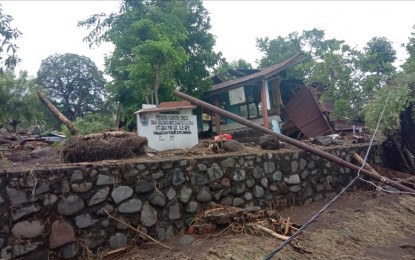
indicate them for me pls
(99, 197)
(157, 199)
(118, 240)
(84, 221)
(191, 207)
(26, 229)
(70, 205)
(185, 194)
(237, 202)
(131, 206)
(121, 193)
(239, 175)
(204, 195)
(258, 191)
(62, 233)
(148, 216)
(50, 199)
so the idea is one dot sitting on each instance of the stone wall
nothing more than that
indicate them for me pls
(61, 211)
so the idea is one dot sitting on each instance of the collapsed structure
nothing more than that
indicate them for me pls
(268, 97)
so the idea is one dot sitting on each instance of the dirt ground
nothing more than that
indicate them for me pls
(360, 225)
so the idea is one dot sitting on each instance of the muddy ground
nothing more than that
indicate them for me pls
(360, 225)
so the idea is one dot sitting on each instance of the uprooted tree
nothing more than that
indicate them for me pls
(98, 146)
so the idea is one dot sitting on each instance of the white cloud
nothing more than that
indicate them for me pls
(51, 26)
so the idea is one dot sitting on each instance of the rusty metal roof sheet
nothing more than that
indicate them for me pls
(262, 74)
(307, 114)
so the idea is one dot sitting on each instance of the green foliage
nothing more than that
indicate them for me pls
(92, 123)
(75, 84)
(350, 77)
(8, 56)
(224, 68)
(401, 94)
(409, 65)
(18, 100)
(159, 46)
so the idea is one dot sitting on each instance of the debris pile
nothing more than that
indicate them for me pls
(103, 146)
(249, 221)
(25, 147)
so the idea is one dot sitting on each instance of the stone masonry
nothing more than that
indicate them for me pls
(52, 212)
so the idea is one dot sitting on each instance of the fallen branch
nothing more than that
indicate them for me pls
(269, 231)
(72, 129)
(136, 230)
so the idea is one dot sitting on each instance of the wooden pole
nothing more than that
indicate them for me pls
(217, 116)
(264, 104)
(291, 141)
(72, 129)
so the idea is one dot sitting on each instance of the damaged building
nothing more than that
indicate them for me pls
(266, 96)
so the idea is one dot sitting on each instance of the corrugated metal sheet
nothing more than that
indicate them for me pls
(306, 113)
(263, 74)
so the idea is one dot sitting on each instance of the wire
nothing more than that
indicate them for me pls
(385, 190)
(316, 215)
(300, 230)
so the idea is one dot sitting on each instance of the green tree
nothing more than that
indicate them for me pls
(74, 83)
(18, 100)
(224, 68)
(8, 34)
(350, 77)
(409, 64)
(159, 46)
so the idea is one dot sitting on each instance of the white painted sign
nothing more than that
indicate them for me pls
(237, 96)
(168, 131)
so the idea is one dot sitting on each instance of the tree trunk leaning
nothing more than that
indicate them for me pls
(58, 115)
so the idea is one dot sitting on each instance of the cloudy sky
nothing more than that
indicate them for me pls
(49, 27)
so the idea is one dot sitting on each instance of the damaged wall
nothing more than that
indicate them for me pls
(60, 212)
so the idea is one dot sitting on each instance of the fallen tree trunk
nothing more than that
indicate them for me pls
(291, 141)
(72, 129)
(97, 146)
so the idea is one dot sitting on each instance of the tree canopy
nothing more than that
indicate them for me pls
(159, 46)
(74, 83)
(8, 47)
(349, 76)
(18, 100)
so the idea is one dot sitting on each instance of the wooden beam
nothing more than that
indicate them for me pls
(217, 116)
(264, 104)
